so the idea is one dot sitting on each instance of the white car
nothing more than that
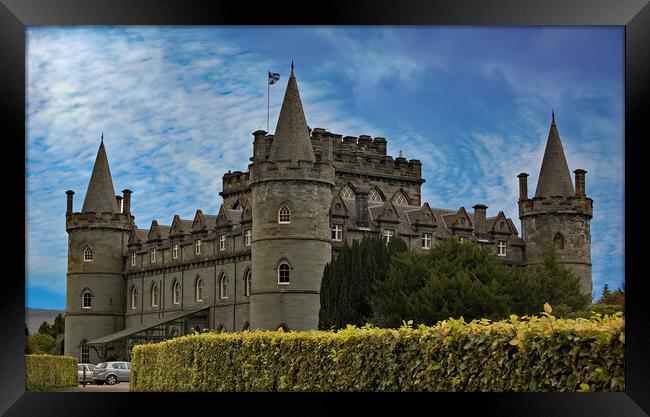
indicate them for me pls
(89, 367)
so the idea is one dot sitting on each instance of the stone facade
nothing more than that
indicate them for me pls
(336, 189)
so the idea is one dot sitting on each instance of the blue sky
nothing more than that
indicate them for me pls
(177, 106)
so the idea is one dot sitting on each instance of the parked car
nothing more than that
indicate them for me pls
(89, 372)
(112, 372)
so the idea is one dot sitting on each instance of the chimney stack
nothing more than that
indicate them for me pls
(479, 220)
(118, 199)
(523, 186)
(580, 182)
(362, 208)
(70, 193)
(126, 206)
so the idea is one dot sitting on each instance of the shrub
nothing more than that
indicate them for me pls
(519, 354)
(48, 373)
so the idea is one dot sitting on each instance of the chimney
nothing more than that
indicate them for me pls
(70, 193)
(118, 199)
(580, 182)
(126, 206)
(479, 220)
(362, 208)
(259, 146)
(523, 186)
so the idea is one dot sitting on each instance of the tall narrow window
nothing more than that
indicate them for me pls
(247, 237)
(88, 255)
(558, 241)
(134, 298)
(86, 299)
(155, 293)
(501, 248)
(426, 241)
(153, 255)
(337, 233)
(222, 242)
(85, 353)
(247, 283)
(133, 259)
(199, 289)
(388, 234)
(284, 215)
(176, 292)
(223, 287)
(283, 273)
(175, 251)
(197, 247)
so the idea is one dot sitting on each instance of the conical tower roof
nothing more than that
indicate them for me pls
(100, 196)
(554, 177)
(291, 140)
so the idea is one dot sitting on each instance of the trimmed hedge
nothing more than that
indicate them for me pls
(519, 354)
(48, 372)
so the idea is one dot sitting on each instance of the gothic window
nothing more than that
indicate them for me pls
(222, 242)
(153, 255)
(134, 298)
(283, 273)
(388, 234)
(133, 259)
(400, 200)
(247, 237)
(426, 240)
(347, 193)
(337, 233)
(374, 196)
(236, 205)
(558, 241)
(198, 289)
(85, 355)
(501, 248)
(86, 299)
(175, 251)
(247, 283)
(176, 292)
(284, 215)
(197, 247)
(223, 287)
(88, 255)
(155, 295)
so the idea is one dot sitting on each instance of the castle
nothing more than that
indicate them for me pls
(258, 262)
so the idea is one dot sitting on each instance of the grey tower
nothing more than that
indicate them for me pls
(558, 215)
(291, 189)
(97, 238)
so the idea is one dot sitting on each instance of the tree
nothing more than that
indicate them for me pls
(350, 279)
(58, 328)
(40, 343)
(616, 297)
(45, 328)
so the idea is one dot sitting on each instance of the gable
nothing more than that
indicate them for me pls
(339, 208)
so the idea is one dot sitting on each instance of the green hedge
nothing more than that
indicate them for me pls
(519, 354)
(48, 372)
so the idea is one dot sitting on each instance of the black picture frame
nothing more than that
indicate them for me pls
(15, 15)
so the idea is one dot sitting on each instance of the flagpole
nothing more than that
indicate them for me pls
(268, 101)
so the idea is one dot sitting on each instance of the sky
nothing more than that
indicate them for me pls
(177, 107)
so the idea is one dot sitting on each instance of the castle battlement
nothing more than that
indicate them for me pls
(556, 205)
(291, 170)
(97, 220)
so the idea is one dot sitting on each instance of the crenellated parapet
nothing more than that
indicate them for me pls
(292, 170)
(556, 205)
(92, 220)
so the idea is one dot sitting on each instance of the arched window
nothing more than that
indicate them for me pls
(247, 282)
(173, 332)
(558, 241)
(155, 294)
(400, 200)
(134, 298)
(223, 287)
(85, 354)
(86, 299)
(88, 254)
(283, 327)
(247, 326)
(198, 287)
(284, 215)
(347, 193)
(221, 328)
(375, 196)
(176, 292)
(283, 273)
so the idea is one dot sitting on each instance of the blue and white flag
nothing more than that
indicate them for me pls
(273, 77)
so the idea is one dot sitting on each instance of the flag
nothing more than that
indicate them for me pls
(273, 77)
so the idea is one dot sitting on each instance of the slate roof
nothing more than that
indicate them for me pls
(554, 176)
(100, 195)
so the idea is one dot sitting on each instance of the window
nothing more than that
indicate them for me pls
(374, 196)
(388, 234)
(501, 248)
(426, 240)
(134, 298)
(86, 299)
(247, 237)
(461, 239)
(133, 259)
(222, 242)
(247, 283)
(88, 255)
(176, 292)
(284, 215)
(347, 193)
(337, 233)
(283, 273)
(199, 289)
(197, 247)
(175, 251)
(155, 293)
(153, 255)
(558, 241)
(400, 200)
(223, 287)
(85, 356)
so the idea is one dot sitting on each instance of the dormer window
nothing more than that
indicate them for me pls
(426, 241)
(222, 242)
(175, 251)
(284, 215)
(88, 255)
(133, 259)
(247, 237)
(197, 247)
(501, 248)
(153, 255)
